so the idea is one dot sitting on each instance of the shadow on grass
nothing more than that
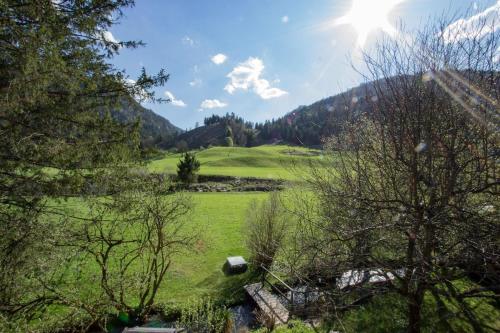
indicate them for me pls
(229, 289)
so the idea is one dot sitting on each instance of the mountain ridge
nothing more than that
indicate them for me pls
(306, 125)
(155, 130)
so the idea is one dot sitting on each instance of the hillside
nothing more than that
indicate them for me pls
(270, 162)
(305, 126)
(215, 131)
(212, 134)
(309, 125)
(155, 130)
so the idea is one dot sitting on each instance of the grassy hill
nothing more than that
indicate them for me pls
(272, 162)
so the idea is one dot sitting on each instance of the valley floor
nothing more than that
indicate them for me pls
(219, 219)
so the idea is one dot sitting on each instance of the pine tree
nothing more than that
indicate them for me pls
(187, 168)
(57, 89)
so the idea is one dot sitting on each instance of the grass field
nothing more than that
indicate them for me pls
(220, 217)
(275, 162)
(219, 221)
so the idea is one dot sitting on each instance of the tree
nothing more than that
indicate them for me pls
(267, 227)
(228, 141)
(57, 89)
(412, 190)
(187, 168)
(182, 146)
(132, 238)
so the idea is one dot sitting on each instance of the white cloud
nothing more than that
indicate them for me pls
(212, 104)
(196, 82)
(486, 20)
(219, 59)
(285, 19)
(186, 40)
(497, 56)
(108, 37)
(247, 75)
(174, 101)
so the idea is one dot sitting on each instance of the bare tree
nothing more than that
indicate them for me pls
(412, 194)
(266, 225)
(132, 238)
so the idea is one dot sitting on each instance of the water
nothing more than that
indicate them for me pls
(243, 318)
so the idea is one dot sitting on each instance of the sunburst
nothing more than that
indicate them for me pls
(367, 16)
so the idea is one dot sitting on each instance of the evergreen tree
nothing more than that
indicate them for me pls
(187, 168)
(57, 89)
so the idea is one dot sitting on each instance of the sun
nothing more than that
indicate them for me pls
(366, 16)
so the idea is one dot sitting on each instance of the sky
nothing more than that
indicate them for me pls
(261, 58)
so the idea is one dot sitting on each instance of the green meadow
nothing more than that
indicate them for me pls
(272, 162)
(220, 220)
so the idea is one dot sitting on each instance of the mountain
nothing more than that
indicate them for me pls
(156, 131)
(306, 125)
(215, 131)
(309, 125)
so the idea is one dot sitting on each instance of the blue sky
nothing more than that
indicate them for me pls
(273, 55)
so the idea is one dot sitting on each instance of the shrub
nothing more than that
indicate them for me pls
(187, 168)
(228, 141)
(294, 326)
(266, 230)
(205, 317)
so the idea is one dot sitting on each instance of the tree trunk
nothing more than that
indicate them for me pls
(413, 317)
(414, 311)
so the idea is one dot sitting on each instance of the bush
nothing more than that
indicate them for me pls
(204, 316)
(229, 141)
(267, 227)
(294, 326)
(187, 168)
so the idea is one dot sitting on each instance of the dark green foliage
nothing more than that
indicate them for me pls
(309, 125)
(229, 141)
(155, 131)
(58, 101)
(293, 326)
(187, 168)
(229, 132)
(217, 129)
